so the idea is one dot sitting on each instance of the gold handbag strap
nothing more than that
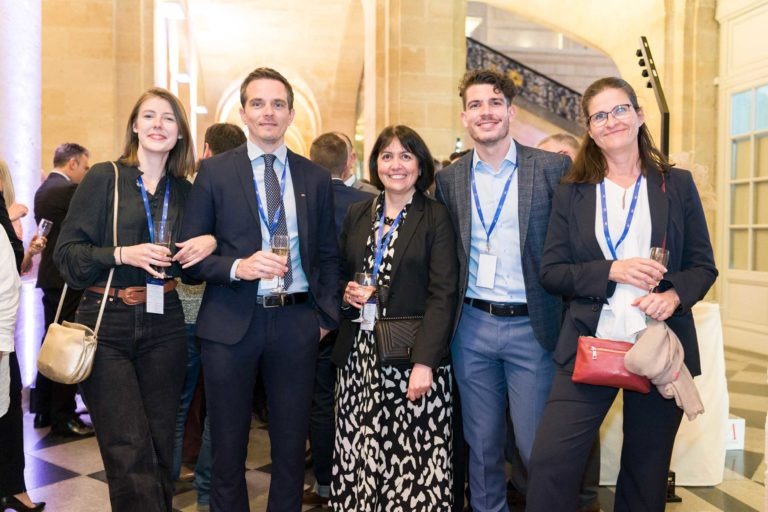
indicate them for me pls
(111, 271)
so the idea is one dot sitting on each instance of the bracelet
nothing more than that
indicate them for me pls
(120, 254)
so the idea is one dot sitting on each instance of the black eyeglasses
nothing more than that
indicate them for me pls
(618, 112)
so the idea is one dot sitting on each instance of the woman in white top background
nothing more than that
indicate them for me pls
(620, 198)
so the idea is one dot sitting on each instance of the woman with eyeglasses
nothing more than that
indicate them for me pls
(620, 198)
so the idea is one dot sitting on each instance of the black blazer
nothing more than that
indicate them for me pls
(573, 264)
(52, 202)
(223, 203)
(424, 276)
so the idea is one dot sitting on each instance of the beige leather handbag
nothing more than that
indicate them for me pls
(68, 348)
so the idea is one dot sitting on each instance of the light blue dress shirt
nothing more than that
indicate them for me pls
(255, 154)
(509, 285)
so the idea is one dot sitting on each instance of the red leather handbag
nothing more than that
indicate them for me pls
(600, 362)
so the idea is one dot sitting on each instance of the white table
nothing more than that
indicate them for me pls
(699, 454)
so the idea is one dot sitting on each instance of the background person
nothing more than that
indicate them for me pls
(219, 137)
(393, 423)
(54, 403)
(620, 198)
(561, 143)
(15, 210)
(13, 490)
(134, 387)
(329, 151)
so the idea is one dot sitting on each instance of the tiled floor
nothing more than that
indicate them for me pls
(68, 474)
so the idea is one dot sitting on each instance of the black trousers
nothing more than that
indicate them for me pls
(281, 343)
(12, 437)
(567, 431)
(322, 426)
(133, 397)
(50, 397)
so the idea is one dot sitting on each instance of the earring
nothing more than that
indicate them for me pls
(181, 137)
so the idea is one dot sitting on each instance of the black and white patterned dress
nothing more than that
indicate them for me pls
(390, 454)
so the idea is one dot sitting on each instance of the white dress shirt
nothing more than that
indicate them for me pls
(619, 319)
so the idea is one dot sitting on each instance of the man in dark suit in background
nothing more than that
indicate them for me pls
(244, 198)
(499, 196)
(350, 169)
(330, 152)
(54, 403)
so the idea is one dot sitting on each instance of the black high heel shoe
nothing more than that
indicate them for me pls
(13, 503)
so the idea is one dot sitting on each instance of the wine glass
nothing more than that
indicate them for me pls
(279, 245)
(44, 227)
(660, 255)
(162, 237)
(365, 280)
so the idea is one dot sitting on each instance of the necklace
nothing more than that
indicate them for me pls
(389, 221)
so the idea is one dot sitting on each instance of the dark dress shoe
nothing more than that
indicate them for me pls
(74, 427)
(11, 502)
(42, 420)
(310, 497)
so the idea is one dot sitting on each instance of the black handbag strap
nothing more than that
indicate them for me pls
(111, 270)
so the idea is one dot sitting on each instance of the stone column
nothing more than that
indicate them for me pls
(20, 93)
(415, 54)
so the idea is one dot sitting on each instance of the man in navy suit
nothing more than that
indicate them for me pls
(330, 152)
(54, 403)
(244, 197)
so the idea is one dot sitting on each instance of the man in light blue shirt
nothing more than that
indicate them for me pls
(245, 198)
(499, 196)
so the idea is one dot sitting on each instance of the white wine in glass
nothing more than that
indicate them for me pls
(660, 255)
(365, 280)
(44, 227)
(162, 237)
(280, 247)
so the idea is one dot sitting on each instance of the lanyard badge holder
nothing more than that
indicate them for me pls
(155, 292)
(276, 297)
(487, 261)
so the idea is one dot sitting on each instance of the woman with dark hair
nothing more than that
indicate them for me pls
(134, 388)
(393, 422)
(620, 198)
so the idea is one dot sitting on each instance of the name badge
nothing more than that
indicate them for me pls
(369, 316)
(268, 284)
(155, 296)
(486, 270)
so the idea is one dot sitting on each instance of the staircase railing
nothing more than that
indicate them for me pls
(537, 89)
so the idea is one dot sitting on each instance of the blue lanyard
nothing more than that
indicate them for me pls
(383, 241)
(496, 216)
(630, 214)
(149, 212)
(271, 228)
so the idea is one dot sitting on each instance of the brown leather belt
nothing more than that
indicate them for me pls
(132, 295)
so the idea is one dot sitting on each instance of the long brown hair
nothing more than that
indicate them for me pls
(590, 165)
(181, 159)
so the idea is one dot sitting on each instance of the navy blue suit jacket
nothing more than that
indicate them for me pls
(343, 198)
(223, 203)
(573, 263)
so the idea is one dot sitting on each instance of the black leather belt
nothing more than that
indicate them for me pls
(498, 308)
(287, 299)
